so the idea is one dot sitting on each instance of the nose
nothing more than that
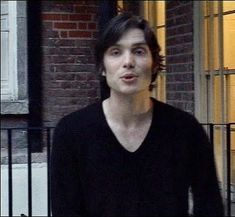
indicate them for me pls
(129, 61)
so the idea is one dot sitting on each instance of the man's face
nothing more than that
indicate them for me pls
(128, 63)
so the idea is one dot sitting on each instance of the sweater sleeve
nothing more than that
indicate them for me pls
(206, 192)
(66, 196)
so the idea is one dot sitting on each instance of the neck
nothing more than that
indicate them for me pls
(128, 110)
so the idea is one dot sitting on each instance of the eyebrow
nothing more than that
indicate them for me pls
(133, 45)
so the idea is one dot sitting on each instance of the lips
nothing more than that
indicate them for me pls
(129, 78)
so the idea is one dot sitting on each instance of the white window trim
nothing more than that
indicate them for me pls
(17, 103)
(199, 81)
(13, 50)
(202, 107)
(11, 94)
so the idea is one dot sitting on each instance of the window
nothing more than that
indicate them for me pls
(8, 51)
(154, 12)
(217, 73)
(219, 65)
(13, 58)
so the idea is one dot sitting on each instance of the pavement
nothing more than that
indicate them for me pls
(20, 191)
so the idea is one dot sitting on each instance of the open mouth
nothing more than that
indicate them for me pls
(129, 78)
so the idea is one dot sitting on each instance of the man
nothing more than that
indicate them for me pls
(131, 155)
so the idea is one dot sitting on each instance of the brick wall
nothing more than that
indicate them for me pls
(179, 54)
(68, 38)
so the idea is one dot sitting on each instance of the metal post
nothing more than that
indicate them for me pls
(228, 130)
(9, 134)
(29, 178)
(48, 172)
(212, 135)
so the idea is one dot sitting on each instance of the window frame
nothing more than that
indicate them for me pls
(149, 11)
(205, 79)
(17, 102)
(199, 81)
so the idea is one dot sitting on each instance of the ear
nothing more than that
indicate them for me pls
(103, 73)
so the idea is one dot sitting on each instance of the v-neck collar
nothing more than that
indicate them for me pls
(117, 142)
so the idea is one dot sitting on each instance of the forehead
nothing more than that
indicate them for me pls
(132, 36)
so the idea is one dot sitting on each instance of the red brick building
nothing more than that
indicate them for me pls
(52, 73)
(61, 73)
(69, 80)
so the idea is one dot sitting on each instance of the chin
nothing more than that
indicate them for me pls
(131, 91)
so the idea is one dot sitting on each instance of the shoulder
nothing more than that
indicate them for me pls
(169, 114)
(166, 111)
(82, 117)
(182, 124)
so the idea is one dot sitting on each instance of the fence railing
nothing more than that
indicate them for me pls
(47, 141)
(225, 131)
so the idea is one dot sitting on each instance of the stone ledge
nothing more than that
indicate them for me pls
(20, 156)
(15, 107)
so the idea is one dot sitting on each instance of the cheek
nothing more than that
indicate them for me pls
(110, 66)
(145, 62)
(146, 66)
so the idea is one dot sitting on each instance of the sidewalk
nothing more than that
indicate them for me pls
(20, 190)
(233, 209)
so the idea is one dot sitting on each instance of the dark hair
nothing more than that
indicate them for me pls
(114, 31)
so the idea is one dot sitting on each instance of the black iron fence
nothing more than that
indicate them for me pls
(225, 131)
(47, 141)
(47, 132)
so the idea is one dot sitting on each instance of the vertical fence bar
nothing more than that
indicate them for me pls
(48, 172)
(29, 178)
(10, 196)
(228, 130)
(212, 135)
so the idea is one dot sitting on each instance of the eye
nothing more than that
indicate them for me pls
(140, 51)
(115, 52)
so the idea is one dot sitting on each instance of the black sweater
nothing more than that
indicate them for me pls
(93, 175)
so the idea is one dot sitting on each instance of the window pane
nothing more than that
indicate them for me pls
(160, 13)
(154, 12)
(211, 37)
(216, 44)
(210, 8)
(4, 7)
(229, 42)
(8, 48)
(231, 98)
(4, 64)
(206, 47)
(5, 90)
(160, 90)
(161, 40)
(151, 12)
(4, 24)
(211, 44)
(228, 6)
(217, 99)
